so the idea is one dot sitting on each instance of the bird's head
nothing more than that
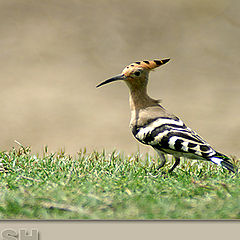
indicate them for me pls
(136, 74)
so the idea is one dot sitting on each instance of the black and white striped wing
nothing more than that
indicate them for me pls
(174, 137)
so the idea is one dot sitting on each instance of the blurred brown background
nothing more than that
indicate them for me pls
(53, 53)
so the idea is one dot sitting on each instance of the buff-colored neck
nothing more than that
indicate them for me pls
(139, 99)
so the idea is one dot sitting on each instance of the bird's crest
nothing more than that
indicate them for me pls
(146, 64)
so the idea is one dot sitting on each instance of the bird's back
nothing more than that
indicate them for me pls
(167, 133)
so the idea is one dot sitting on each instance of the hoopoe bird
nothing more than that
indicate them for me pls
(153, 125)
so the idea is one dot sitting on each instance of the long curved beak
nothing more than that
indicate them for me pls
(113, 79)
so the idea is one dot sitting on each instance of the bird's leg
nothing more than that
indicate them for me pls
(163, 160)
(177, 161)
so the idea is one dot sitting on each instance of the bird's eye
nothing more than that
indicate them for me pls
(137, 73)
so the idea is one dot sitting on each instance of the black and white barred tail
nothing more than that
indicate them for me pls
(222, 160)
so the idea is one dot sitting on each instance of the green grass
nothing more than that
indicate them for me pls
(112, 186)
